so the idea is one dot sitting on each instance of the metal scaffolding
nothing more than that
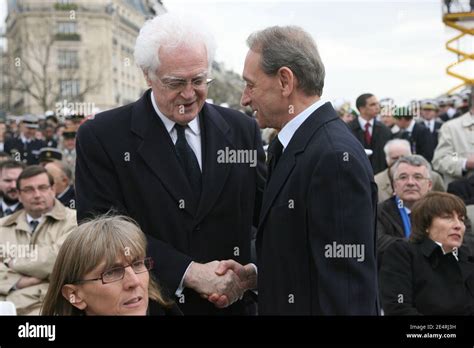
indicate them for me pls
(459, 15)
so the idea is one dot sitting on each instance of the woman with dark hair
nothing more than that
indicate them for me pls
(102, 269)
(431, 274)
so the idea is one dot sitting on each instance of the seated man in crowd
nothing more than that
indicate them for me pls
(63, 183)
(9, 172)
(412, 181)
(30, 240)
(395, 149)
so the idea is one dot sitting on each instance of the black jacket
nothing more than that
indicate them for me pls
(380, 135)
(126, 160)
(416, 278)
(463, 188)
(320, 197)
(389, 226)
(27, 153)
(68, 199)
(421, 141)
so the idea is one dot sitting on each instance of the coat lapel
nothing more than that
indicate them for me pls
(215, 136)
(157, 150)
(298, 143)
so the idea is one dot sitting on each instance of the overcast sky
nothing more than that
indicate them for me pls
(390, 48)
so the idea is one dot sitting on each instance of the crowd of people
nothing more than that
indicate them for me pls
(142, 216)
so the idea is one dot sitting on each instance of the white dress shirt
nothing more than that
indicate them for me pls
(192, 132)
(11, 207)
(430, 125)
(291, 127)
(29, 219)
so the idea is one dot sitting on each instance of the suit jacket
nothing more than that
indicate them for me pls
(421, 141)
(435, 133)
(27, 153)
(389, 226)
(321, 192)
(456, 142)
(126, 160)
(18, 207)
(68, 199)
(417, 279)
(463, 188)
(380, 135)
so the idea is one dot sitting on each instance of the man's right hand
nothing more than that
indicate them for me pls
(203, 279)
(26, 282)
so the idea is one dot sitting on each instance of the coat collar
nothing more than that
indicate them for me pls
(429, 247)
(19, 218)
(468, 120)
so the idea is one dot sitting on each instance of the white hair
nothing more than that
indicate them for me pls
(171, 31)
(390, 143)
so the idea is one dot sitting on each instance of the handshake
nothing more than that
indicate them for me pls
(221, 282)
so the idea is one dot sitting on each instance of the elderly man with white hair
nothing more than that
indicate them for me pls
(395, 149)
(169, 161)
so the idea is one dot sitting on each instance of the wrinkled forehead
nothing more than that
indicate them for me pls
(183, 61)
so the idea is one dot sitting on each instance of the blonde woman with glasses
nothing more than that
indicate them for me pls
(102, 269)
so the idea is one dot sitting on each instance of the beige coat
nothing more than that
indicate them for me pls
(456, 142)
(385, 188)
(32, 255)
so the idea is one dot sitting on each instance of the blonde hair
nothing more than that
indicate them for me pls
(89, 244)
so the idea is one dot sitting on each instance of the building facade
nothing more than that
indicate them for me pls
(72, 54)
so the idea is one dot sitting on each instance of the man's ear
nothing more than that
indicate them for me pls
(147, 79)
(430, 185)
(70, 293)
(287, 80)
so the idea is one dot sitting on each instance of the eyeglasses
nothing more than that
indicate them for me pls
(30, 189)
(117, 273)
(417, 177)
(177, 84)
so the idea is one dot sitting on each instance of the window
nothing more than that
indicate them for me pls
(68, 59)
(67, 27)
(69, 88)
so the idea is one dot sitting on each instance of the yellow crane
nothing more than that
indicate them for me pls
(459, 15)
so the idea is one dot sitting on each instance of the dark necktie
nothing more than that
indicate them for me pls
(367, 135)
(275, 150)
(34, 224)
(8, 211)
(188, 161)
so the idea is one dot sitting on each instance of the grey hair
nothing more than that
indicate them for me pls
(412, 160)
(66, 169)
(392, 142)
(290, 47)
(170, 31)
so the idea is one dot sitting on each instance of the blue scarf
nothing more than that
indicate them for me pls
(404, 216)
